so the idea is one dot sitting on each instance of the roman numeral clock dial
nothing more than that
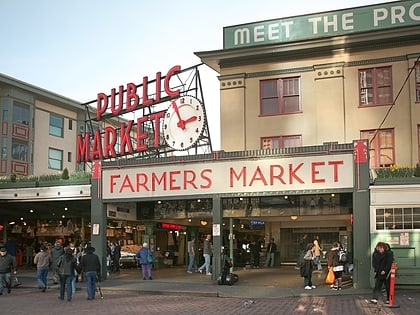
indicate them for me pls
(183, 123)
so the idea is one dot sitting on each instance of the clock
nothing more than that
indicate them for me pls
(183, 123)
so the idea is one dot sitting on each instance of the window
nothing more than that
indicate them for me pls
(418, 82)
(55, 159)
(56, 125)
(70, 124)
(5, 114)
(397, 218)
(281, 142)
(4, 148)
(381, 147)
(19, 151)
(375, 86)
(280, 96)
(20, 113)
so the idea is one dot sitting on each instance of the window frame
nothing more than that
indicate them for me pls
(279, 96)
(417, 81)
(56, 130)
(377, 146)
(397, 219)
(281, 141)
(52, 159)
(374, 97)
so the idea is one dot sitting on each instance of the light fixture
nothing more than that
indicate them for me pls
(189, 220)
(294, 217)
(203, 222)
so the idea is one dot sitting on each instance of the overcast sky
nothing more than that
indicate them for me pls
(79, 48)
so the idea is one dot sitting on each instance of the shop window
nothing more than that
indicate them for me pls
(55, 159)
(381, 147)
(375, 86)
(56, 125)
(281, 142)
(397, 219)
(280, 96)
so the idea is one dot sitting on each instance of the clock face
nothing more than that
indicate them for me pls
(183, 123)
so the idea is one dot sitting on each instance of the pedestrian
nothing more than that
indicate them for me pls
(333, 261)
(302, 246)
(91, 268)
(7, 266)
(66, 271)
(306, 267)
(271, 252)
(317, 253)
(255, 253)
(382, 259)
(116, 255)
(42, 260)
(56, 252)
(144, 255)
(29, 256)
(192, 264)
(207, 251)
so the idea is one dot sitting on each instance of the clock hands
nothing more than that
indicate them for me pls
(181, 122)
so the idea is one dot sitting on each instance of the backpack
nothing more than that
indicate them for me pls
(342, 256)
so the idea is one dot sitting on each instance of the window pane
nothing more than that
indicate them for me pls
(269, 106)
(416, 218)
(291, 142)
(55, 159)
(19, 151)
(20, 113)
(291, 104)
(56, 125)
(268, 89)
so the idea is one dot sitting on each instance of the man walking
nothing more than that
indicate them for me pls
(207, 251)
(271, 252)
(191, 253)
(91, 267)
(7, 265)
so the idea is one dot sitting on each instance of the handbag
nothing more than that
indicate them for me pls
(330, 276)
(150, 258)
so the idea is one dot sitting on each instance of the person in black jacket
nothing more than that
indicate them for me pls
(91, 268)
(66, 268)
(307, 266)
(271, 252)
(7, 265)
(382, 259)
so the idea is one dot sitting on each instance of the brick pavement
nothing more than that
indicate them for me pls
(32, 301)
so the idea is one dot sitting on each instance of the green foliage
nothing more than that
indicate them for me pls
(13, 178)
(417, 170)
(65, 174)
(395, 172)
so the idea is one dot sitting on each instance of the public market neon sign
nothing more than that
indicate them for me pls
(102, 144)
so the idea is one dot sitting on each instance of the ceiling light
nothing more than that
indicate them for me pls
(294, 217)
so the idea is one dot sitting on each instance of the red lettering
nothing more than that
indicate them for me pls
(96, 150)
(158, 79)
(158, 181)
(233, 175)
(258, 175)
(141, 135)
(101, 105)
(335, 165)
(83, 148)
(132, 97)
(168, 76)
(141, 180)
(273, 176)
(156, 117)
(125, 138)
(315, 172)
(116, 109)
(292, 173)
(110, 138)
(189, 178)
(173, 180)
(146, 100)
(126, 184)
(113, 183)
(207, 179)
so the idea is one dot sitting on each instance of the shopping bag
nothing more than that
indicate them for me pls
(330, 276)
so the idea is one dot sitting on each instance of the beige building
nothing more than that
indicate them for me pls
(313, 88)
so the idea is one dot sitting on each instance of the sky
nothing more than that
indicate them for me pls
(80, 48)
